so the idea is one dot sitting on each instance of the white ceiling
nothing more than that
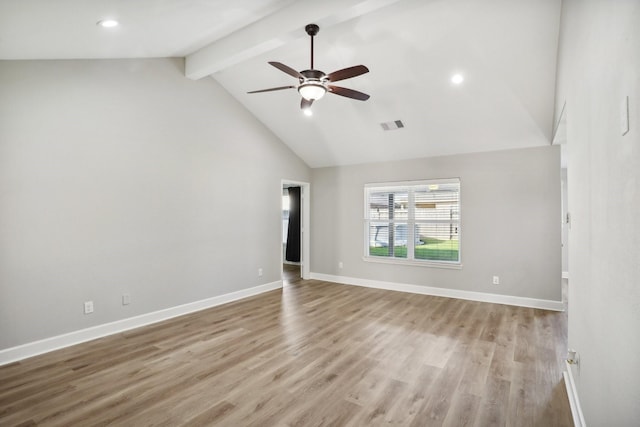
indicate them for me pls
(506, 49)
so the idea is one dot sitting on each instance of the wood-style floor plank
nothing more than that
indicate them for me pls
(311, 354)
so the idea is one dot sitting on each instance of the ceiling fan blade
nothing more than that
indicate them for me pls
(305, 103)
(349, 93)
(280, 66)
(272, 89)
(347, 73)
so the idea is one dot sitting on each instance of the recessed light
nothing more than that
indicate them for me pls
(107, 23)
(457, 79)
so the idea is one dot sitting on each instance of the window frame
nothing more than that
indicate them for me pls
(410, 187)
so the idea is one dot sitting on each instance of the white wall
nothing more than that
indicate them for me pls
(510, 222)
(565, 224)
(123, 176)
(599, 65)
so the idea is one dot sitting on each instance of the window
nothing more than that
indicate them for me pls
(413, 222)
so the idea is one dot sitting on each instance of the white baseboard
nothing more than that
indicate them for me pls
(444, 292)
(20, 352)
(574, 402)
(565, 274)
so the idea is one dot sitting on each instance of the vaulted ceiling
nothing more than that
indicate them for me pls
(504, 49)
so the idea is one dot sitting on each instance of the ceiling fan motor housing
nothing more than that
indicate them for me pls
(314, 84)
(312, 75)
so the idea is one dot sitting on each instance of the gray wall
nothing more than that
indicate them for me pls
(598, 66)
(124, 176)
(510, 221)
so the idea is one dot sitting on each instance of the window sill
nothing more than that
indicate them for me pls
(400, 261)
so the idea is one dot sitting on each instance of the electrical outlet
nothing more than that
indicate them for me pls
(88, 307)
(496, 280)
(126, 299)
(340, 264)
(259, 272)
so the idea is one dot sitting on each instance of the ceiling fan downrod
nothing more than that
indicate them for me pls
(312, 30)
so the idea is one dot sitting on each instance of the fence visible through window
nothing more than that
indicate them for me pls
(418, 221)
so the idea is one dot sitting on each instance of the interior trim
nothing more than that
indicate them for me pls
(444, 292)
(572, 392)
(46, 345)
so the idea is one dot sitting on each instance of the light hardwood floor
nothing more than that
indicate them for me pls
(314, 353)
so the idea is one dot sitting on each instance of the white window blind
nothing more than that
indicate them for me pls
(416, 221)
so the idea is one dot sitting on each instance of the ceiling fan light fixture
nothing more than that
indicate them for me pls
(312, 91)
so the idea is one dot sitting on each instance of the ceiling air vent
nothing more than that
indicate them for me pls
(397, 124)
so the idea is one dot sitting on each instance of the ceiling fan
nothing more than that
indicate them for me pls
(313, 84)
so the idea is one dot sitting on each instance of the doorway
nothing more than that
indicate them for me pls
(295, 254)
(560, 138)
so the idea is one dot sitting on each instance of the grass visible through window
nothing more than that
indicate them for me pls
(431, 249)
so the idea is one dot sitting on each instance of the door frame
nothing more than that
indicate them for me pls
(305, 225)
